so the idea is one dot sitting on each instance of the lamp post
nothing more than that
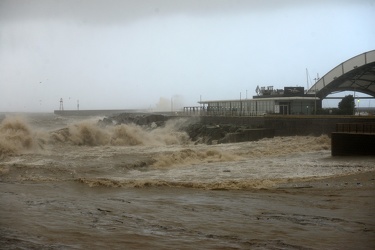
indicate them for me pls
(359, 112)
(172, 104)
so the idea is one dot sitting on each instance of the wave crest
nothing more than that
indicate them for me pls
(15, 136)
(189, 156)
(217, 185)
(91, 134)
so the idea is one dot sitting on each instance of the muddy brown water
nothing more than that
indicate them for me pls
(75, 185)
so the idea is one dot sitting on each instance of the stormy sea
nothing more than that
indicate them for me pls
(77, 183)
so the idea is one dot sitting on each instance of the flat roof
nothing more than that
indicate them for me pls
(280, 98)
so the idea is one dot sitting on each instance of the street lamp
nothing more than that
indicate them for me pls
(359, 112)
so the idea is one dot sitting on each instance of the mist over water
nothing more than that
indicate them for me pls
(153, 184)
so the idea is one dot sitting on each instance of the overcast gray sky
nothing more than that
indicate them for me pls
(116, 54)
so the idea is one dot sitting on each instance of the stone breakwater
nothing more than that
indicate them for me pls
(198, 130)
(215, 129)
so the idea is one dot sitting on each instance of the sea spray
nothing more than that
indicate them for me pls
(15, 136)
(88, 134)
(91, 134)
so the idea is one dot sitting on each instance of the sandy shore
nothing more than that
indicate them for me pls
(355, 181)
(329, 213)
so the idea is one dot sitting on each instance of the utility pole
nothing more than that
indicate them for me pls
(172, 104)
(307, 78)
(240, 105)
(317, 79)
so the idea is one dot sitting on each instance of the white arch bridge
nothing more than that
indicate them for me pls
(356, 74)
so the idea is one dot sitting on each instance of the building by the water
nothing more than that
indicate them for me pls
(287, 101)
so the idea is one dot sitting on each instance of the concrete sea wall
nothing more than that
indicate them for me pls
(291, 125)
(256, 127)
(250, 121)
(352, 144)
(310, 125)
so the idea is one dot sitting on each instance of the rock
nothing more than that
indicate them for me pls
(141, 119)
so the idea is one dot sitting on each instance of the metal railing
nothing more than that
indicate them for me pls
(363, 128)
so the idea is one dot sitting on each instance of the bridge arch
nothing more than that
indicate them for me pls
(356, 74)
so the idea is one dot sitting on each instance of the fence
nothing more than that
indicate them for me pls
(367, 128)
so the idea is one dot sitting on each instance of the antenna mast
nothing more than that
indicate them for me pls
(307, 79)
